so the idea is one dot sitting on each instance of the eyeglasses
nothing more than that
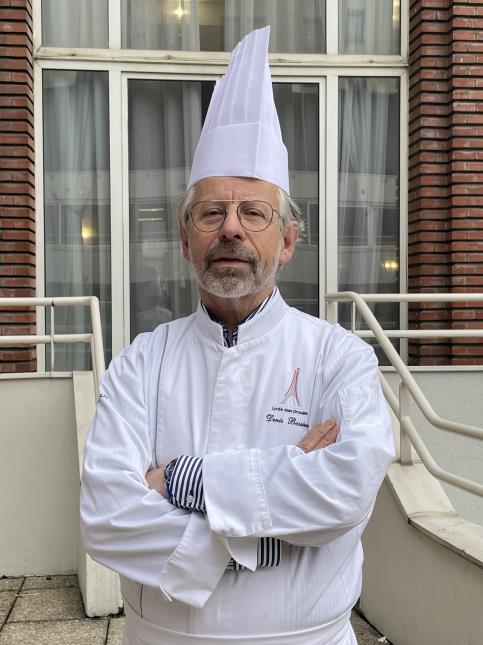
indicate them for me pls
(253, 215)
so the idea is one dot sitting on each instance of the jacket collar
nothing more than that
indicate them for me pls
(252, 329)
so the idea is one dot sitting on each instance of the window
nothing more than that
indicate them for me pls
(77, 201)
(369, 26)
(75, 23)
(369, 192)
(120, 127)
(217, 25)
(165, 120)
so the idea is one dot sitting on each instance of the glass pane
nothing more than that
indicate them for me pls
(369, 26)
(298, 111)
(165, 119)
(369, 191)
(77, 203)
(217, 25)
(75, 23)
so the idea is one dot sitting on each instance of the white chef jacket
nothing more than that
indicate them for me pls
(179, 390)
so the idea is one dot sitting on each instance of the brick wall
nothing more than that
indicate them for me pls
(446, 172)
(17, 204)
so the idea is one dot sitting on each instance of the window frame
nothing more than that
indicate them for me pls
(123, 65)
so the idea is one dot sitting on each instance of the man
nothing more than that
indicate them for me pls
(236, 454)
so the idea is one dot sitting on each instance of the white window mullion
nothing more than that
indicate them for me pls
(322, 195)
(114, 24)
(332, 26)
(39, 211)
(404, 26)
(332, 182)
(37, 24)
(124, 140)
(403, 206)
(117, 229)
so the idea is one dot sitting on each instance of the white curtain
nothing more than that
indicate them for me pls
(369, 26)
(296, 25)
(164, 127)
(169, 24)
(76, 193)
(75, 23)
(368, 184)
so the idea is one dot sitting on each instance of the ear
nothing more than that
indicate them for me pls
(290, 237)
(185, 245)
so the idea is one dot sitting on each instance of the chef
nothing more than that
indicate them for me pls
(236, 454)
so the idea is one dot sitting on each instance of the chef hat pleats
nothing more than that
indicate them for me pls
(241, 136)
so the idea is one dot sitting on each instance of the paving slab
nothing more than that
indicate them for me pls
(366, 635)
(59, 632)
(48, 604)
(10, 584)
(50, 582)
(7, 598)
(115, 631)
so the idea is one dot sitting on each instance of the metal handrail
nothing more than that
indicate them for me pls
(408, 387)
(94, 338)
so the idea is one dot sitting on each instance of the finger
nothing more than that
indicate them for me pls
(329, 439)
(313, 437)
(316, 433)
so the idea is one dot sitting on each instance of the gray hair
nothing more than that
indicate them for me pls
(289, 211)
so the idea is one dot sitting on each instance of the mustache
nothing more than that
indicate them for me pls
(231, 249)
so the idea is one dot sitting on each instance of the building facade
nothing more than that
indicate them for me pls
(101, 106)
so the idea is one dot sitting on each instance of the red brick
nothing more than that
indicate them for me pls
(17, 235)
(468, 350)
(14, 223)
(17, 258)
(15, 52)
(467, 22)
(11, 14)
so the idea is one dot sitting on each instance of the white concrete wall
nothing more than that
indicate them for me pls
(39, 477)
(417, 589)
(455, 395)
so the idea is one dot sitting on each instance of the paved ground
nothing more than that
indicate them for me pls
(49, 611)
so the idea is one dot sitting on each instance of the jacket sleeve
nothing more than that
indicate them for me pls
(126, 526)
(310, 499)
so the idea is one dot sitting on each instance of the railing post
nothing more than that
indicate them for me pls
(404, 412)
(98, 353)
(331, 311)
(52, 335)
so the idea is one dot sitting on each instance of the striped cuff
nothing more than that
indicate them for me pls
(185, 486)
(269, 554)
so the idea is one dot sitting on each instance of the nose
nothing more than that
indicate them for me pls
(231, 226)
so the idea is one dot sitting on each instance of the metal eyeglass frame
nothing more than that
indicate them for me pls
(231, 201)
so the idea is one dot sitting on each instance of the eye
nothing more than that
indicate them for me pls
(210, 212)
(254, 211)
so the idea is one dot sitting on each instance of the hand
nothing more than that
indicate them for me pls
(155, 481)
(320, 436)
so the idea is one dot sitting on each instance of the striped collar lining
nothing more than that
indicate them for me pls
(231, 341)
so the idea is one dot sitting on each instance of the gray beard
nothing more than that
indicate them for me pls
(228, 282)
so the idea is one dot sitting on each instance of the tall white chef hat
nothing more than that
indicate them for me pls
(241, 136)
